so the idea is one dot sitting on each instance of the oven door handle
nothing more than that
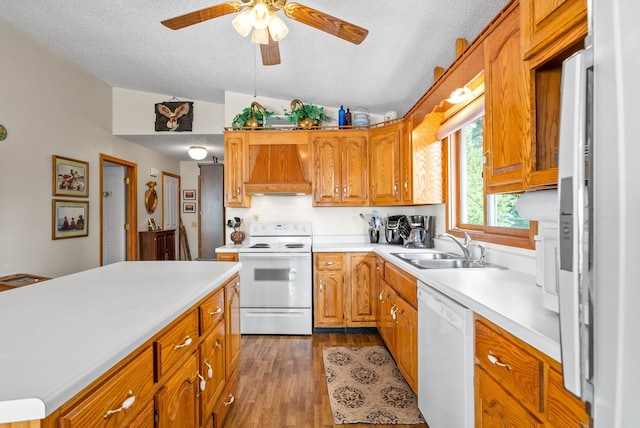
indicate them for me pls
(247, 256)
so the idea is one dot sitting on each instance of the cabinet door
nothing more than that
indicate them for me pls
(234, 171)
(407, 340)
(354, 170)
(507, 114)
(328, 292)
(384, 167)
(552, 25)
(212, 369)
(364, 295)
(327, 183)
(387, 315)
(177, 401)
(563, 408)
(232, 324)
(495, 408)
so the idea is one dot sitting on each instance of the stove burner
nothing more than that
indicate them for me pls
(260, 245)
(295, 245)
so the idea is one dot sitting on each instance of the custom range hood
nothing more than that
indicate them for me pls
(278, 169)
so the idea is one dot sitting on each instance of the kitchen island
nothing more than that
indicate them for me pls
(61, 335)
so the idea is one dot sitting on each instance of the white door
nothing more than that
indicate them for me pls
(170, 203)
(114, 235)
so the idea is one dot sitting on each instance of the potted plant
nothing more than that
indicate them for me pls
(251, 117)
(305, 115)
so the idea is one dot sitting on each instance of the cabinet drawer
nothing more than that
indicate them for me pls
(179, 340)
(496, 408)
(227, 399)
(106, 406)
(404, 284)
(227, 257)
(513, 367)
(212, 311)
(329, 261)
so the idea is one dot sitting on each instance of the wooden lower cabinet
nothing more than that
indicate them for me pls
(184, 376)
(157, 245)
(518, 386)
(495, 408)
(345, 290)
(398, 318)
(177, 401)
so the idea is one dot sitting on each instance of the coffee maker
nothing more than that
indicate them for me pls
(422, 231)
(396, 229)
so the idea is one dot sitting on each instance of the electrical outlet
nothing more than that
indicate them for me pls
(194, 224)
(256, 217)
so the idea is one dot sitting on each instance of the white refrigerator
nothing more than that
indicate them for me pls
(615, 235)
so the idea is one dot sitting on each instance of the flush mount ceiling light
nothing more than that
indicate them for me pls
(259, 18)
(460, 95)
(197, 152)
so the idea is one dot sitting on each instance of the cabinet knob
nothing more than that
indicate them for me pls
(209, 369)
(203, 382)
(494, 360)
(336, 190)
(344, 190)
(394, 310)
(320, 286)
(230, 402)
(216, 312)
(381, 294)
(187, 341)
(125, 405)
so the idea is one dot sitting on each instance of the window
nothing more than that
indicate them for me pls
(489, 218)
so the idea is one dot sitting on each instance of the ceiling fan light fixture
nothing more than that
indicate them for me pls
(260, 15)
(260, 36)
(197, 152)
(277, 28)
(243, 23)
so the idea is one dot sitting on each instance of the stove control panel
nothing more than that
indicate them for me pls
(276, 228)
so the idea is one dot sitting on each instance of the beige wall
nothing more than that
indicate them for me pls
(51, 106)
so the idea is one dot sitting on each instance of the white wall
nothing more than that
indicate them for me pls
(51, 106)
(133, 114)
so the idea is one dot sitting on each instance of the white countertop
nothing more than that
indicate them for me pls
(508, 298)
(60, 335)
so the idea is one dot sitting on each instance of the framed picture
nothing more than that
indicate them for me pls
(174, 116)
(70, 219)
(189, 195)
(70, 177)
(152, 224)
(188, 207)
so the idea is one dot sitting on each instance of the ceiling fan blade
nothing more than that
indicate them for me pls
(327, 23)
(270, 53)
(202, 15)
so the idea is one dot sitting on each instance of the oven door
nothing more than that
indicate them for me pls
(275, 280)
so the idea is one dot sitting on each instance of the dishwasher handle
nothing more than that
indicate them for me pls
(443, 309)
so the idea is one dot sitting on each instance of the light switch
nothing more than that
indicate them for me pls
(194, 224)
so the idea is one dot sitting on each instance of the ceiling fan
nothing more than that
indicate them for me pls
(260, 17)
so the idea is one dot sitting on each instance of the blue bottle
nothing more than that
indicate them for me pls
(342, 121)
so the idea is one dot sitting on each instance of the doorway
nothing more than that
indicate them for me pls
(118, 213)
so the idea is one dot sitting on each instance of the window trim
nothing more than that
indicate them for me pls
(522, 238)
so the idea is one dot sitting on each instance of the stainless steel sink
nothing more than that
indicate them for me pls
(426, 256)
(436, 260)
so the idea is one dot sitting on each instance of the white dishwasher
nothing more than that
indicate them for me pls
(445, 360)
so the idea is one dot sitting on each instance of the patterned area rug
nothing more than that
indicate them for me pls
(365, 386)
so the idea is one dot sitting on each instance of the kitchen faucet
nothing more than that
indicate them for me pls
(463, 246)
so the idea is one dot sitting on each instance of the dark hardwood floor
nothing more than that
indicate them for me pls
(282, 381)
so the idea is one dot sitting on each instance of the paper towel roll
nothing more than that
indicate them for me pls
(539, 205)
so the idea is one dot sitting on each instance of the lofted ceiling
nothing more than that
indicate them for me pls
(124, 44)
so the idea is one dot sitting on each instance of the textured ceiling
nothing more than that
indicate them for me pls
(124, 44)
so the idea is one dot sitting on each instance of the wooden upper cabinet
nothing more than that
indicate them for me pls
(235, 170)
(339, 168)
(549, 25)
(384, 165)
(553, 31)
(422, 161)
(507, 114)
